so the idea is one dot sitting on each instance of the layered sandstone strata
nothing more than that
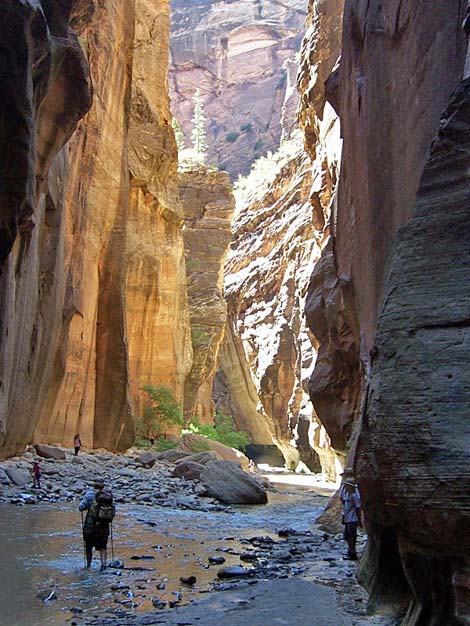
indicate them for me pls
(414, 453)
(93, 297)
(46, 90)
(241, 56)
(401, 334)
(208, 203)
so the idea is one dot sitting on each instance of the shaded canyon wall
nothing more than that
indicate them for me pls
(394, 336)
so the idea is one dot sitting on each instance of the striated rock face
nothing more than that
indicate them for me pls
(93, 297)
(240, 54)
(413, 451)
(46, 89)
(208, 204)
(267, 355)
(156, 301)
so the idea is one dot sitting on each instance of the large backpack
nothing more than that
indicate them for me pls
(102, 508)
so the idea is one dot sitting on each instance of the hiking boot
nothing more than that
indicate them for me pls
(351, 556)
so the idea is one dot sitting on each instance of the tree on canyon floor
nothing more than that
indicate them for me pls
(159, 415)
(222, 430)
(179, 136)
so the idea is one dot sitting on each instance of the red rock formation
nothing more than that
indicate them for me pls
(240, 54)
(46, 90)
(91, 295)
(209, 204)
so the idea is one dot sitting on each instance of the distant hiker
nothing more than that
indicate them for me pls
(98, 502)
(251, 466)
(351, 516)
(77, 444)
(36, 472)
(151, 441)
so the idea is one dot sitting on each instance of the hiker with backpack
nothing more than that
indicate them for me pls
(98, 503)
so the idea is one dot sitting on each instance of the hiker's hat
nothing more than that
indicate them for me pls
(348, 471)
(98, 482)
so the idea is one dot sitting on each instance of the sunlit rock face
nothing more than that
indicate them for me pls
(157, 317)
(208, 204)
(93, 295)
(241, 55)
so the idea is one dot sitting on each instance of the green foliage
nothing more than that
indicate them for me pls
(179, 136)
(231, 137)
(223, 430)
(198, 445)
(246, 127)
(160, 414)
(163, 444)
(199, 336)
(258, 145)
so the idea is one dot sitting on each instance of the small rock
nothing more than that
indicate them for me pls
(188, 580)
(234, 571)
(216, 560)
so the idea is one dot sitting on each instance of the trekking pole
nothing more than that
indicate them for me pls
(112, 542)
(84, 546)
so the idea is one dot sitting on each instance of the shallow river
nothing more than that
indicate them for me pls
(42, 552)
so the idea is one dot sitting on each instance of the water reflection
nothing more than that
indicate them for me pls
(43, 553)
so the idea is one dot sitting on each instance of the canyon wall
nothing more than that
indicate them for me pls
(390, 299)
(208, 203)
(241, 56)
(93, 287)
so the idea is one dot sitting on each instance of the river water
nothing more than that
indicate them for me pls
(42, 553)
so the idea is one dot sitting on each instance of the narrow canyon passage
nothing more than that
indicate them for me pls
(235, 243)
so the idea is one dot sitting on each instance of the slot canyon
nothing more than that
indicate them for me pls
(250, 219)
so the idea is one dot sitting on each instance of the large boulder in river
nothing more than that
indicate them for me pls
(225, 481)
(172, 455)
(188, 470)
(49, 452)
(201, 457)
(197, 443)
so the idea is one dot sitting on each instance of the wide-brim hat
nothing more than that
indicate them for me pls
(348, 471)
(98, 482)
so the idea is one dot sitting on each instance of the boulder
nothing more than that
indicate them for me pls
(147, 459)
(201, 457)
(188, 470)
(49, 452)
(225, 481)
(17, 476)
(172, 455)
(197, 443)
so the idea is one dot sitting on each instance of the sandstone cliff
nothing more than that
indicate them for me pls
(241, 55)
(94, 289)
(208, 203)
(399, 335)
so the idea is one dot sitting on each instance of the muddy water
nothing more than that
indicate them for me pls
(42, 553)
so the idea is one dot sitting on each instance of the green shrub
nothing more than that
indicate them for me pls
(223, 431)
(159, 414)
(231, 137)
(246, 127)
(258, 145)
(163, 444)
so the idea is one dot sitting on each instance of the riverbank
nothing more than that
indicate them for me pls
(165, 531)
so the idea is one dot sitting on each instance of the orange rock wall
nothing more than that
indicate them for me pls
(93, 301)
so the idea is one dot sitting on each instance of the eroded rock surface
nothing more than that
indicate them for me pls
(94, 296)
(208, 203)
(241, 55)
(413, 450)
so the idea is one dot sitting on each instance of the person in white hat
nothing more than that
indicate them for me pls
(351, 516)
